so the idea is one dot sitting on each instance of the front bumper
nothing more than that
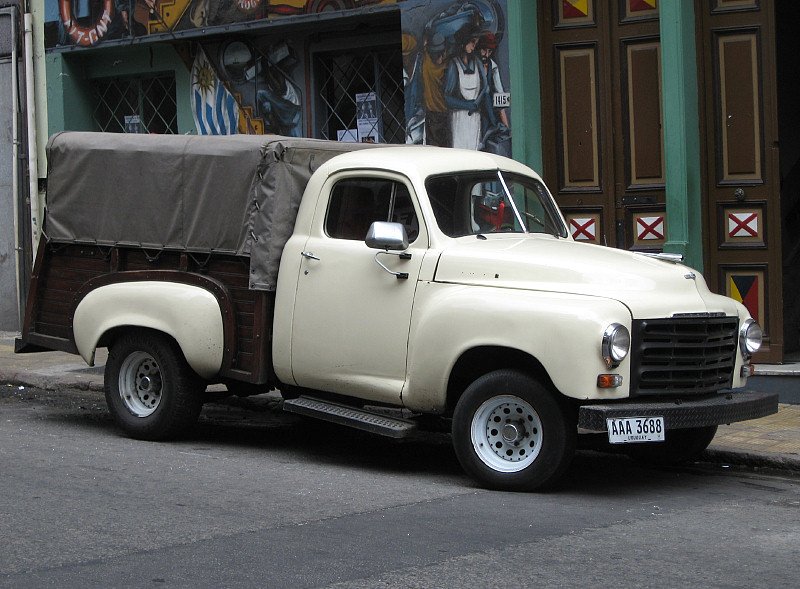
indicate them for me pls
(679, 413)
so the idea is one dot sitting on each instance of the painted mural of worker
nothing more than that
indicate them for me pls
(412, 89)
(487, 46)
(466, 90)
(437, 117)
(279, 104)
(495, 132)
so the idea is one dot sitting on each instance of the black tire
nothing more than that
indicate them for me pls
(533, 443)
(679, 445)
(151, 391)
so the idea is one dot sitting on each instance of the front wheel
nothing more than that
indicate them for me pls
(151, 391)
(510, 432)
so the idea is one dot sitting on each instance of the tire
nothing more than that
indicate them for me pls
(151, 391)
(532, 449)
(679, 445)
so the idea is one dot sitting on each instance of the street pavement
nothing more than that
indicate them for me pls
(769, 442)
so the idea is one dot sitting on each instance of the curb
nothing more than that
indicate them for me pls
(742, 458)
(50, 382)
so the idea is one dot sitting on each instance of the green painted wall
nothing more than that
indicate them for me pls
(69, 74)
(68, 98)
(526, 111)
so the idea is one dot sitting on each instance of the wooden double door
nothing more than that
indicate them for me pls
(603, 137)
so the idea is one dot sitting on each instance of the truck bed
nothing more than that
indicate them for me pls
(64, 273)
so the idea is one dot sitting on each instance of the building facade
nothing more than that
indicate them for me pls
(671, 126)
(659, 125)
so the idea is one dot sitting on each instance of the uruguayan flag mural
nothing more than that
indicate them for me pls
(214, 108)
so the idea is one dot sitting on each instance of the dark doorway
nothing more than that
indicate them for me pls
(787, 51)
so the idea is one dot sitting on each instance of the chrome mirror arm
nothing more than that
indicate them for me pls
(401, 255)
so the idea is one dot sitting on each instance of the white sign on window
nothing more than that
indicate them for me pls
(367, 117)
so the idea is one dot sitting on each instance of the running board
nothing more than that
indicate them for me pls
(350, 416)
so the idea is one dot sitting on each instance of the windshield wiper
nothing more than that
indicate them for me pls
(535, 219)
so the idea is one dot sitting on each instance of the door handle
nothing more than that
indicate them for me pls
(309, 255)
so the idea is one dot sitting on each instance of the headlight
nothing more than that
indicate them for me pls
(750, 337)
(616, 344)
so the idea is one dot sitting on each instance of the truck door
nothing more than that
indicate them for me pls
(352, 317)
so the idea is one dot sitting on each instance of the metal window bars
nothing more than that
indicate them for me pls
(135, 104)
(343, 80)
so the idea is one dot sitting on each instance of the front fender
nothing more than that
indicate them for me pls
(562, 331)
(190, 314)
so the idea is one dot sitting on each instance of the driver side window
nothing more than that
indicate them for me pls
(356, 203)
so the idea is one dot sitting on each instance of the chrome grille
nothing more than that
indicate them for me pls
(687, 355)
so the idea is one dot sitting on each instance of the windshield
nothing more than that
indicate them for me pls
(492, 202)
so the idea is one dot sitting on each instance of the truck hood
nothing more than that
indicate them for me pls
(647, 286)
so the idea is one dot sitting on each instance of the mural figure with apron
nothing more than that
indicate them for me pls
(465, 90)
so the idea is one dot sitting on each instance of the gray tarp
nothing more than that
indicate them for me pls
(183, 192)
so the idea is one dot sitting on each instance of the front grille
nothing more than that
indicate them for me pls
(689, 355)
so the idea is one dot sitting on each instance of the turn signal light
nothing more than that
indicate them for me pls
(609, 381)
(748, 370)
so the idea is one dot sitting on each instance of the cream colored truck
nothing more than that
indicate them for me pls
(440, 282)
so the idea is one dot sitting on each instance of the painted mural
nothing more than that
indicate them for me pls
(87, 23)
(264, 78)
(455, 62)
(454, 54)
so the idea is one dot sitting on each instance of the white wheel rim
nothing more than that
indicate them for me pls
(506, 433)
(140, 384)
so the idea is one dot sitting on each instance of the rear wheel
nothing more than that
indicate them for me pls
(151, 391)
(510, 432)
(679, 445)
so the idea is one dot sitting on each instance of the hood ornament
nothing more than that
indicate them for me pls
(690, 276)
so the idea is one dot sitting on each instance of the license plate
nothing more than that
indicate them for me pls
(635, 429)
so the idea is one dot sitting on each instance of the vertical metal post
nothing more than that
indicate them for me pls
(15, 142)
(30, 109)
(681, 131)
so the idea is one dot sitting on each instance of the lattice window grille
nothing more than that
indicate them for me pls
(343, 75)
(138, 105)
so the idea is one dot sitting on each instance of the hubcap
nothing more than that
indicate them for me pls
(140, 384)
(506, 433)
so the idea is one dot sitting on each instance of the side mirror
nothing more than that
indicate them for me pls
(383, 235)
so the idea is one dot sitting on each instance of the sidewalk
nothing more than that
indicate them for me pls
(772, 441)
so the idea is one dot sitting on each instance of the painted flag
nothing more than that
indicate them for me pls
(583, 229)
(214, 108)
(575, 8)
(650, 228)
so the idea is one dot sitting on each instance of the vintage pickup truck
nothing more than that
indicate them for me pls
(359, 280)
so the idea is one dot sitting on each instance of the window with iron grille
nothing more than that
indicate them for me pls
(360, 90)
(135, 105)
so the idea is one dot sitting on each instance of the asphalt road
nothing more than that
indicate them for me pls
(256, 498)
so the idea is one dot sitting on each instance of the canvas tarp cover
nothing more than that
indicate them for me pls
(236, 194)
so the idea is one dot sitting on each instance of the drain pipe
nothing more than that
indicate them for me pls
(33, 157)
(15, 165)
